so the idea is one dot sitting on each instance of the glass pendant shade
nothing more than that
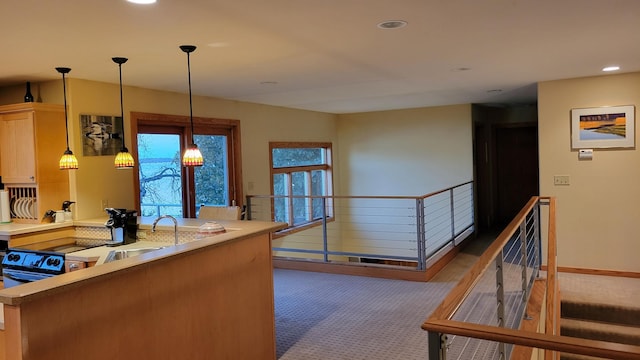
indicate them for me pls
(192, 156)
(124, 159)
(68, 161)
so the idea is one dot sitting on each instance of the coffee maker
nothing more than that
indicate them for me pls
(123, 224)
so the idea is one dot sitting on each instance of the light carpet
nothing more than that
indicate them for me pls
(329, 316)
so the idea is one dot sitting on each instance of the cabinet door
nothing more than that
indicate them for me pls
(17, 148)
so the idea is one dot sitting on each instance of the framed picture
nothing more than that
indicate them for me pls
(603, 127)
(101, 134)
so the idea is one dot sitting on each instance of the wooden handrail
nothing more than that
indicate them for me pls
(552, 342)
(560, 343)
(451, 303)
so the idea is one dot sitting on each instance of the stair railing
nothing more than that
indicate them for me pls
(412, 230)
(459, 329)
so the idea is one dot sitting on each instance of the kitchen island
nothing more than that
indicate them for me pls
(203, 299)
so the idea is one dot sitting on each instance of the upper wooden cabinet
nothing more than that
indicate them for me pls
(17, 148)
(32, 140)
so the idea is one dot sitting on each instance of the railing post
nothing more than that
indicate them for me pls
(453, 221)
(525, 279)
(437, 346)
(500, 297)
(536, 237)
(420, 235)
(324, 229)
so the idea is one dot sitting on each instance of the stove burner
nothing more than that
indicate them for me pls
(34, 261)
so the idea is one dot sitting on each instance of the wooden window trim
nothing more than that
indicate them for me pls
(150, 120)
(328, 167)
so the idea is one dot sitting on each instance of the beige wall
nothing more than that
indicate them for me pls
(405, 152)
(98, 180)
(597, 214)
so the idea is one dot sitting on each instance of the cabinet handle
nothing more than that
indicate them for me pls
(73, 266)
(32, 178)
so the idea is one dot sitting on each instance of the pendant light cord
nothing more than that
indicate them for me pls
(190, 97)
(121, 106)
(66, 122)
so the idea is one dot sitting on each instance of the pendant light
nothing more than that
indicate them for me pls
(123, 160)
(68, 161)
(192, 155)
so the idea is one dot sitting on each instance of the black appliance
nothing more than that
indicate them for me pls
(123, 224)
(21, 266)
(41, 260)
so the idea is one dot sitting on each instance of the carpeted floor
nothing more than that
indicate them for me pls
(328, 316)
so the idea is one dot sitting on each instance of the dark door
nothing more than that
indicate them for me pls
(516, 169)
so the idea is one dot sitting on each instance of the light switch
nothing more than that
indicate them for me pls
(561, 180)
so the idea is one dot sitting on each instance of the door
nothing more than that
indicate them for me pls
(165, 187)
(516, 168)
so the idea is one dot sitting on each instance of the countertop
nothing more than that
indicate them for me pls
(13, 228)
(100, 253)
(144, 223)
(238, 229)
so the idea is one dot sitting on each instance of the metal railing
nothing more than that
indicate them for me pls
(481, 316)
(157, 209)
(371, 229)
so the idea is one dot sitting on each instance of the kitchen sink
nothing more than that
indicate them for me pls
(127, 253)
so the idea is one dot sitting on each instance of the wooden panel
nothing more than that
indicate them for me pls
(41, 236)
(17, 148)
(534, 309)
(210, 303)
(49, 145)
(32, 139)
(2, 345)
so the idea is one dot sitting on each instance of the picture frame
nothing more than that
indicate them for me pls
(101, 134)
(608, 127)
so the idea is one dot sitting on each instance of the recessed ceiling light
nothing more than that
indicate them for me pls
(611, 68)
(143, 2)
(494, 91)
(392, 24)
(268, 83)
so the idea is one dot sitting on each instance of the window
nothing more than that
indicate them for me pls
(300, 171)
(166, 187)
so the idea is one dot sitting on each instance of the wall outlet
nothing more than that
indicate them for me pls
(561, 180)
(141, 234)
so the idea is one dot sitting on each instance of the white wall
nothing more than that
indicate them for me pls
(98, 180)
(598, 213)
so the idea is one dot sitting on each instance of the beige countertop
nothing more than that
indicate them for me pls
(144, 223)
(238, 229)
(100, 253)
(14, 228)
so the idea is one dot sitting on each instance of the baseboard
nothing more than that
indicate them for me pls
(357, 269)
(585, 271)
(373, 270)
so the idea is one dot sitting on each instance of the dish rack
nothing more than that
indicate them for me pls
(23, 204)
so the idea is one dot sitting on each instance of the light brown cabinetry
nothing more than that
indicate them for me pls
(32, 139)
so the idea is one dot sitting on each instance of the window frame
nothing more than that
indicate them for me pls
(327, 167)
(202, 126)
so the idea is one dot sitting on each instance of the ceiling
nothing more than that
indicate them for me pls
(326, 55)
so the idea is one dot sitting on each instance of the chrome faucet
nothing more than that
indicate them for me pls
(175, 226)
